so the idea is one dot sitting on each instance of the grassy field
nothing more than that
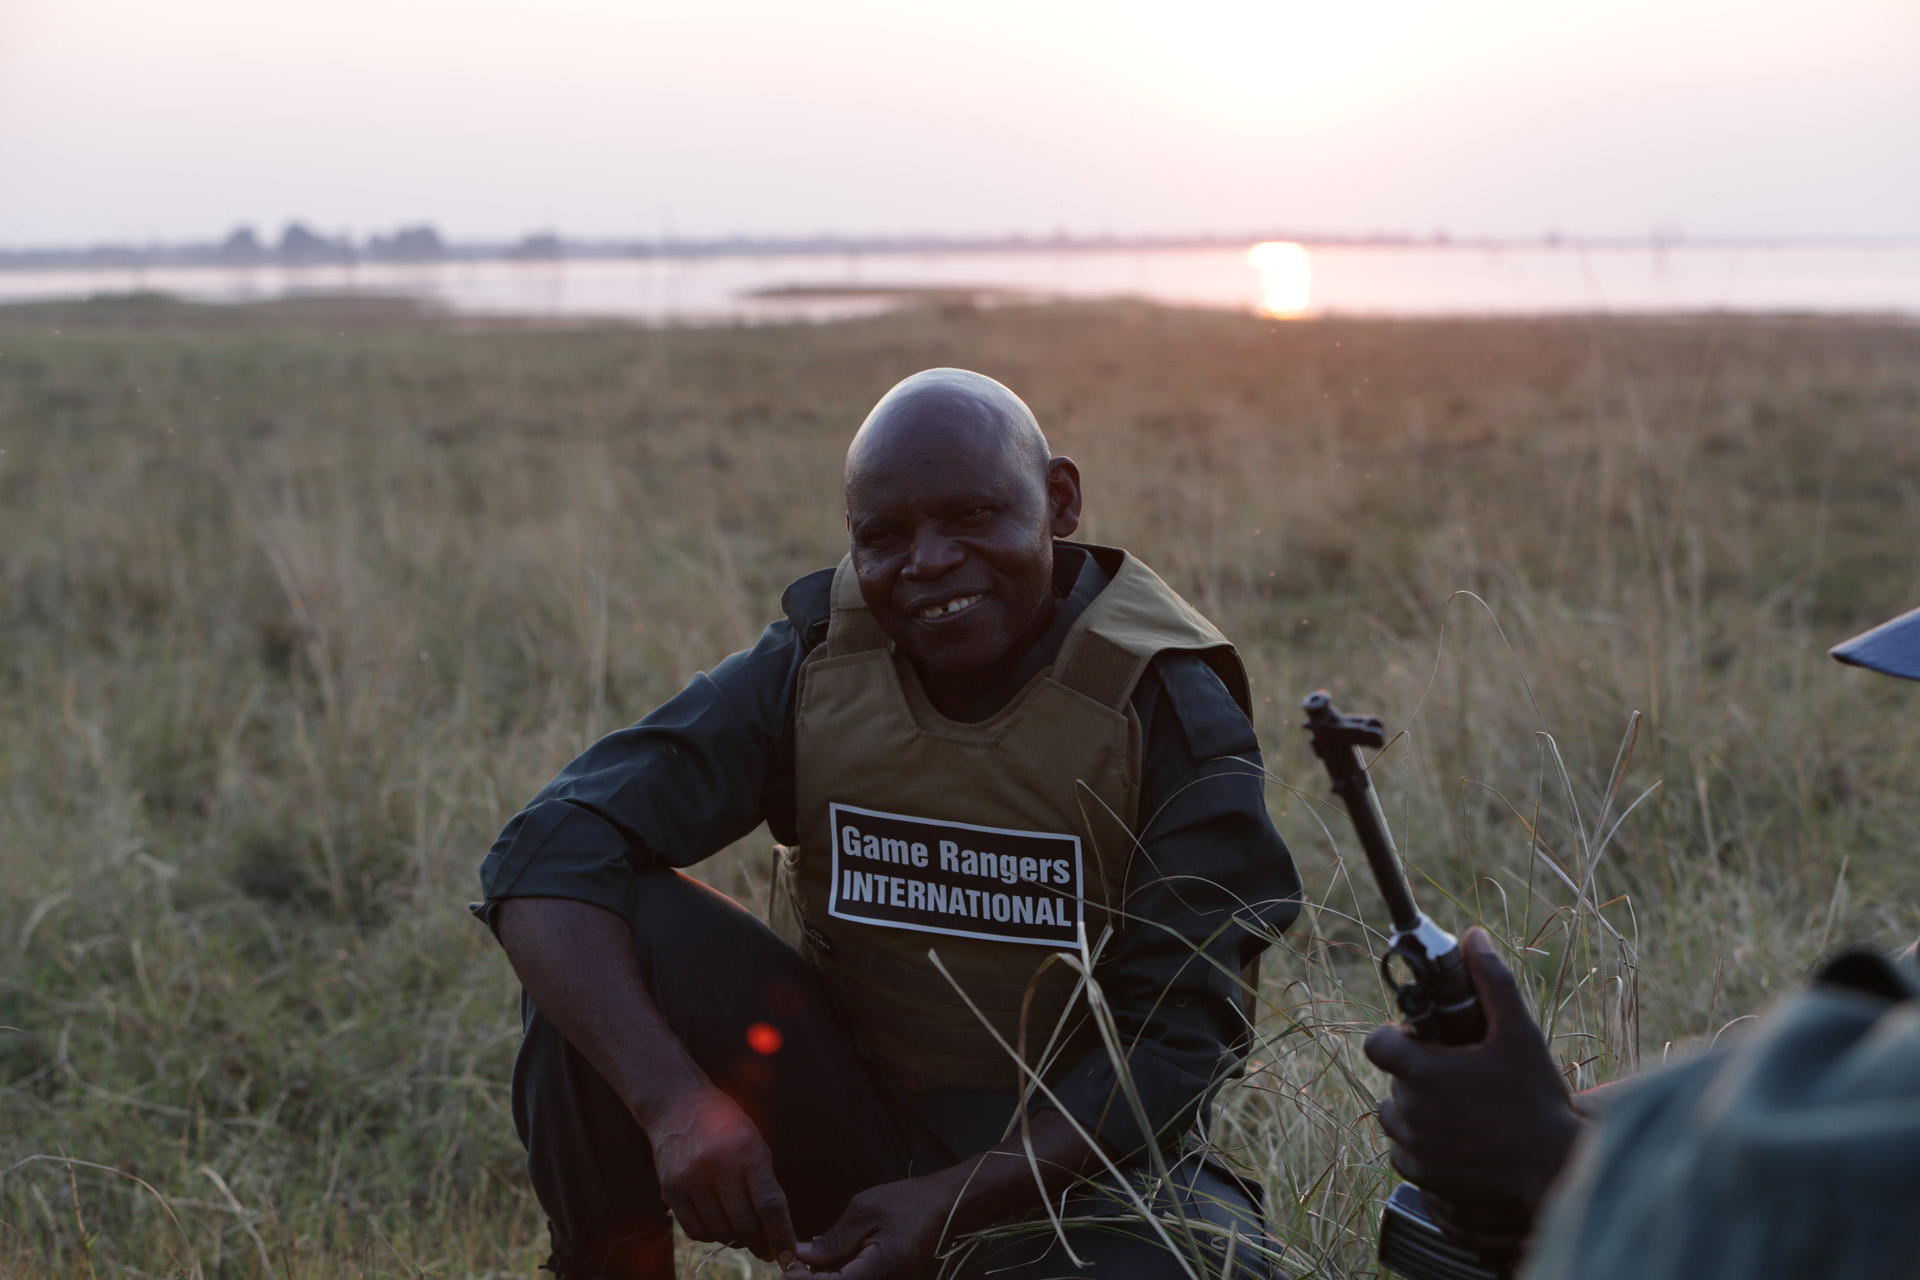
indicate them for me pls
(299, 603)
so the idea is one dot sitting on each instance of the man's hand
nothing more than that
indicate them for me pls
(1486, 1127)
(889, 1232)
(578, 963)
(893, 1231)
(716, 1174)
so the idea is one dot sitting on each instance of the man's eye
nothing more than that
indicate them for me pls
(974, 515)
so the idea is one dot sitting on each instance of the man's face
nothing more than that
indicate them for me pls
(953, 545)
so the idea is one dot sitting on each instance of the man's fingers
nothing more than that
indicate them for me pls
(1392, 1050)
(1406, 1165)
(836, 1244)
(1500, 997)
(743, 1224)
(721, 1228)
(867, 1261)
(770, 1207)
(715, 1228)
(686, 1212)
(1392, 1123)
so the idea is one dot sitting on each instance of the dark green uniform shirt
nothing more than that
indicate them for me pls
(1791, 1151)
(716, 760)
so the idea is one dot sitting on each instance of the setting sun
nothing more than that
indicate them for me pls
(1286, 277)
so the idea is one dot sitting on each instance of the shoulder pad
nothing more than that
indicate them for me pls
(1212, 721)
(808, 604)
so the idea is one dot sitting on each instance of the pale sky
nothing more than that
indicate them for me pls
(129, 120)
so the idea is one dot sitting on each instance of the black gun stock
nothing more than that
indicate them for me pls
(1424, 966)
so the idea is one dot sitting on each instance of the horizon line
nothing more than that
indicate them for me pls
(421, 242)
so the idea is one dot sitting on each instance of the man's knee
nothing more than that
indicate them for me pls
(701, 952)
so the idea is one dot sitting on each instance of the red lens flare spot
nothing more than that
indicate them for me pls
(763, 1038)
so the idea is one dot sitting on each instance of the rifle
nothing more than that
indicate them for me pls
(1424, 967)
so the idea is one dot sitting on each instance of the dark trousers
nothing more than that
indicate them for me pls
(834, 1124)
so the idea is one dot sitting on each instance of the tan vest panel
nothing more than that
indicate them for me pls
(988, 843)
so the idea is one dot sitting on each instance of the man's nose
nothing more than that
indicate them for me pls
(932, 554)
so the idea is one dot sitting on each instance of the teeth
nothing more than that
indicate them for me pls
(954, 605)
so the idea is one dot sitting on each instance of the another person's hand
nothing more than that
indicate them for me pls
(1485, 1128)
(888, 1232)
(716, 1174)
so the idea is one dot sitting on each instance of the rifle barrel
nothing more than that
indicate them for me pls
(1336, 740)
(1382, 857)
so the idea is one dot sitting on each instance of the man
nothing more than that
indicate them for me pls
(1792, 1150)
(979, 748)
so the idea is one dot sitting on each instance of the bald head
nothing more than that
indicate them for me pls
(953, 502)
(949, 410)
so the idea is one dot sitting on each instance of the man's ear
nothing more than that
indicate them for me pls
(1063, 496)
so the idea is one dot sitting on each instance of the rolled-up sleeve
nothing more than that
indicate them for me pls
(1211, 878)
(689, 779)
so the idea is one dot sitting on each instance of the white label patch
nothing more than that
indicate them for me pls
(955, 878)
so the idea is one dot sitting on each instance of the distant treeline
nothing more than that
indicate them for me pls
(300, 245)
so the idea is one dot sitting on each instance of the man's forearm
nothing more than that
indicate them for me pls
(578, 963)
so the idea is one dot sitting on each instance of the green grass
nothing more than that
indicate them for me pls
(299, 603)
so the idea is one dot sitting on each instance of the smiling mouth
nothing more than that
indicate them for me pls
(946, 609)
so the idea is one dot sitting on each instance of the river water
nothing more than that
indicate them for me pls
(1319, 280)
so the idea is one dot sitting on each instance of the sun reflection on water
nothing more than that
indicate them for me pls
(1286, 277)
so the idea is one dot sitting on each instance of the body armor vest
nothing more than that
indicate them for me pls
(991, 844)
